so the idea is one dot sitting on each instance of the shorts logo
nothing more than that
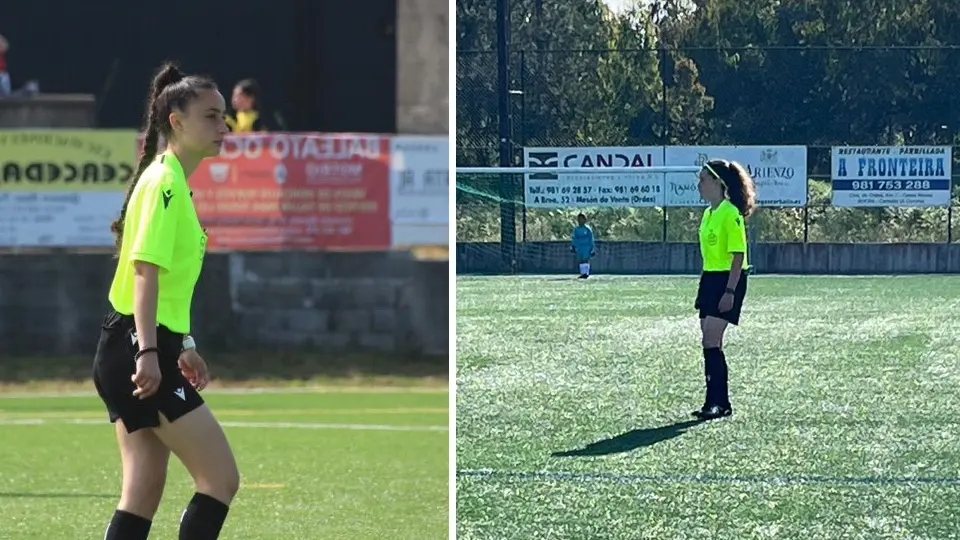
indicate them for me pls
(180, 393)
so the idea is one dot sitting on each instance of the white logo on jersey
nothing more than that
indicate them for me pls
(180, 393)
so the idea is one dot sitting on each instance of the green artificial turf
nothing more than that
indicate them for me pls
(573, 402)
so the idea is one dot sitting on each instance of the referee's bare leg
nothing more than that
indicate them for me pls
(199, 442)
(712, 330)
(145, 460)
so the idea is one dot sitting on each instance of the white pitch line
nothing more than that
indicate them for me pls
(266, 425)
(311, 425)
(256, 391)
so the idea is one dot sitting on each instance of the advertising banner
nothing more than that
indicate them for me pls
(779, 172)
(62, 187)
(419, 190)
(874, 176)
(285, 190)
(577, 190)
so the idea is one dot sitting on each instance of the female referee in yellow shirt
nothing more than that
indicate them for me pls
(728, 188)
(146, 368)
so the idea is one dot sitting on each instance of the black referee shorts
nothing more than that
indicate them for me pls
(114, 365)
(712, 287)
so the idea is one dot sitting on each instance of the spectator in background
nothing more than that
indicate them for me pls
(4, 76)
(246, 105)
(582, 244)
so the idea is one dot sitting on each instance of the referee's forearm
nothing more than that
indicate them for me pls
(735, 270)
(145, 290)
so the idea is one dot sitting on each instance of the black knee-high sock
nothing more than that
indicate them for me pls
(715, 373)
(203, 518)
(723, 391)
(710, 375)
(127, 526)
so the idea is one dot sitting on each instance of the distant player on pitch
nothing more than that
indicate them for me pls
(582, 244)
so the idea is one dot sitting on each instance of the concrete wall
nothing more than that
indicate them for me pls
(380, 302)
(423, 97)
(684, 258)
(48, 111)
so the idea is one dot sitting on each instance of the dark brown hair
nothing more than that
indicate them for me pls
(737, 183)
(251, 89)
(170, 90)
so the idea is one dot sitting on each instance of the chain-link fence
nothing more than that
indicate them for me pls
(814, 97)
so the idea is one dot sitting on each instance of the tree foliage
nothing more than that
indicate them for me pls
(816, 73)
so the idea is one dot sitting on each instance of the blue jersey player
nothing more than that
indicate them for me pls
(582, 244)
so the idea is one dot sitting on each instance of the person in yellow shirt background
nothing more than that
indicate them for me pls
(731, 193)
(247, 116)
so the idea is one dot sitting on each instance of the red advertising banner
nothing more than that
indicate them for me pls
(296, 190)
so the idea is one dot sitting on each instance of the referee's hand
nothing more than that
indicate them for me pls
(194, 368)
(726, 303)
(147, 377)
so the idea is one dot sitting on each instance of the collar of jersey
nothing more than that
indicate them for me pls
(719, 206)
(170, 160)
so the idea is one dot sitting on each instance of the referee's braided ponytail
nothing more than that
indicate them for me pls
(170, 90)
(168, 75)
(740, 187)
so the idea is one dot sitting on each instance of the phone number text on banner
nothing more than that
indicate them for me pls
(549, 190)
(296, 190)
(873, 176)
(62, 187)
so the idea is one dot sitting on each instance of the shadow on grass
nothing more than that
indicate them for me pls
(631, 440)
(254, 366)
